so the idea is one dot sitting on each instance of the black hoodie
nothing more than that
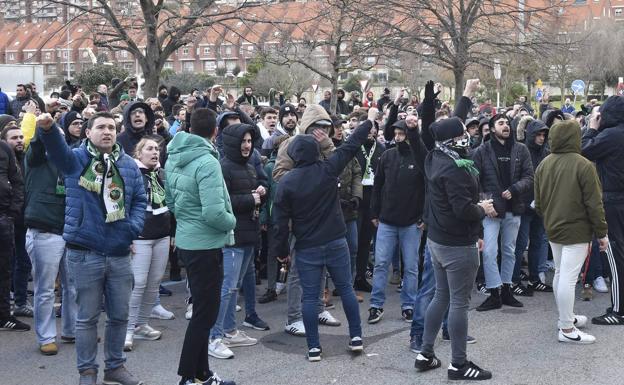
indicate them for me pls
(240, 179)
(172, 99)
(307, 195)
(605, 147)
(130, 137)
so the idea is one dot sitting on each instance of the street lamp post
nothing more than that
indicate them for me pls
(497, 76)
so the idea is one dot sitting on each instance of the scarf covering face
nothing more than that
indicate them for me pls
(101, 176)
(155, 190)
(466, 164)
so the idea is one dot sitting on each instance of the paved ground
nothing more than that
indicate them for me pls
(518, 345)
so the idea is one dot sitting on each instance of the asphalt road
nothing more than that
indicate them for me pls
(518, 345)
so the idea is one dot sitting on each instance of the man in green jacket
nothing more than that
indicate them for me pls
(568, 196)
(197, 196)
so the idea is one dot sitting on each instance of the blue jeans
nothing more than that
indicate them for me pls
(234, 259)
(352, 243)
(388, 237)
(508, 228)
(95, 275)
(531, 232)
(310, 263)
(47, 252)
(426, 290)
(249, 288)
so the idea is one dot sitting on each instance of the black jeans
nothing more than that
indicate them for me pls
(6, 252)
(20, 266)
(366, 231)
(204, 270)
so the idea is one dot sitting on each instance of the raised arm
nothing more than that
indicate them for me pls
(58, 151)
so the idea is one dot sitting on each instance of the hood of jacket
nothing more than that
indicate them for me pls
(149, 114)
(532, 127)
(174, 93)
(304, 150)
(313, 113)
(612, 112)
(185, 148)
(232, 138)
(6, 119)
(222, 121)
(565, 137)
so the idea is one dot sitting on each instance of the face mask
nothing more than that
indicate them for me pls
(403, 146)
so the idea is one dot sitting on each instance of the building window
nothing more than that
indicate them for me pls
(29, 55)
(124, 54)
(209, 66)
(65, 53)
(51, 69)
(206, 50)
(48, 55)
(185, 51)
(228, 50)
(617, 12)
(168, 65)
(11, 56)
(188, 66)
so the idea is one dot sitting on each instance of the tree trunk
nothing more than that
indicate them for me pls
(334, 96)
(459, 83)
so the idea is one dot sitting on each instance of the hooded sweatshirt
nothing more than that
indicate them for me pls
(240, 178)
(567, 189)
(308, 195)
(131, 136)
(197, 195)
(605, 147)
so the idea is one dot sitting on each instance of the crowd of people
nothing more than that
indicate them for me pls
(101, 193)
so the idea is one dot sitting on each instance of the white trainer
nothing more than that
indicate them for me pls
(580, 321)
(238, 338)
(146, 332)
(217, 349)
(128, 342)
(325, 318)
(159, 312)
(576, 337)
(189, 311)
(296, 329)
(600, 285)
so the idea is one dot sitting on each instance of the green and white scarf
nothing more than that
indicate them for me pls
(466, 164)
(101, 176)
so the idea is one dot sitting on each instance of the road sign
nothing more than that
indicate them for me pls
(363, 84)
(315, 87)
(578, 86)
(539, 94)
(539, 83)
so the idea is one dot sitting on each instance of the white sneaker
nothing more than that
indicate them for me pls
(325, 318)
(238, 338)
(296, 329)
(146, 332)
(159, 312)
(600, 285)
(128, 342)
(238, 308)
(189, 311)
(280, 287)
(217, 349)
(576, 337)
(580, 321)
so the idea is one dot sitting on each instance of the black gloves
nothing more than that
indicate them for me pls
(351, 204)
(355, 202)
(429, 93)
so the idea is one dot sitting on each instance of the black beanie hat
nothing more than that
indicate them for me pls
(446, 129)
(285, 109)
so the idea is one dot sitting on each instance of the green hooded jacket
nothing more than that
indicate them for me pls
(197, 195)
(567, 189)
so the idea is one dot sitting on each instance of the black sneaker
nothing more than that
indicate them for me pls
(174, 275)
(164, 292)
(408, 315)
(538, 286)
(469, 372)
(269, 296)
(215, 380)
(361, 284)
(524, 276)
(254, 322)
(375, 315)
(446, 337)
(424, 363)
(482, 289)
(491, 303)
(356, 344)
(314, 354)
(13, 324)
(507, 297)
(608, 318)
(521, 290)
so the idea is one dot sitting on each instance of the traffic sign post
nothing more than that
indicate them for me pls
(578, 87)
(539, 94)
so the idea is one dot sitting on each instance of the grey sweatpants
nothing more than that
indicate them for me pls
(455, 269)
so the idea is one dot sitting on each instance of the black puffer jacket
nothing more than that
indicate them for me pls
(490, 179)
(240, 178)
(399, 189)
(11, 183)
(605, 147)
(130, 137)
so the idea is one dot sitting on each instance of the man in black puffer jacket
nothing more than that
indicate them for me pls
(138, 122)
(532, 232)
(505, 173)
(246, 195)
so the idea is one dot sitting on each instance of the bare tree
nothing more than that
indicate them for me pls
(331, 39)
(457, 33)
(150, 30)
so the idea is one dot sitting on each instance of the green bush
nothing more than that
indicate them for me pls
(92, 77)
(186, 81)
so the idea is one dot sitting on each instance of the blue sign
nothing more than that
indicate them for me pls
(578, 86)
(539, 95)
